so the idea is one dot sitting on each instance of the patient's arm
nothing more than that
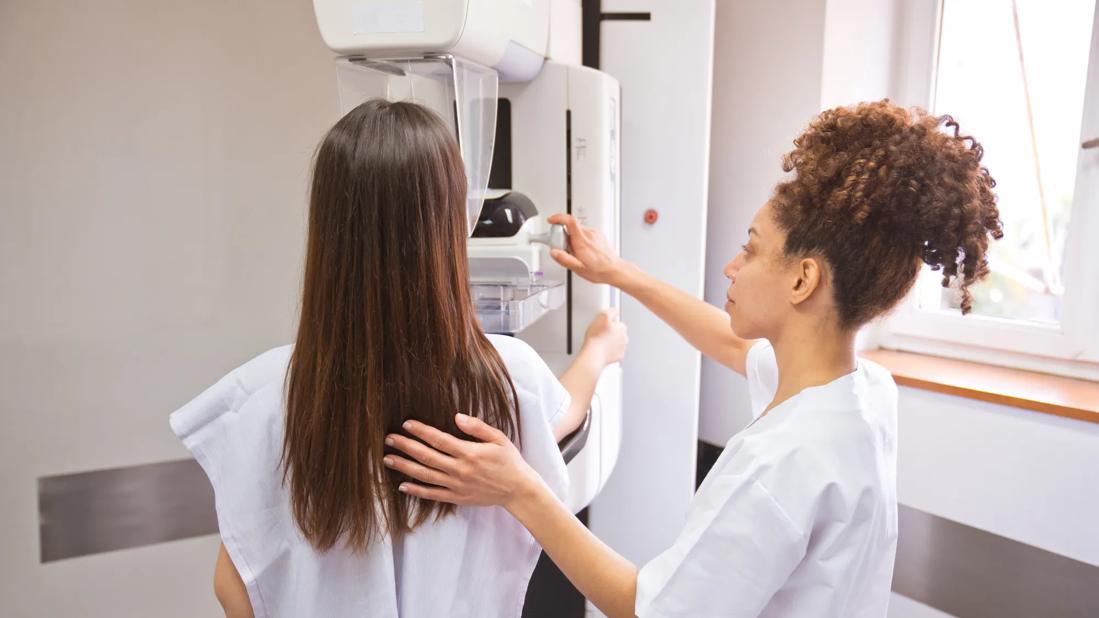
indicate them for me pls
(604, 343)
(229, 587)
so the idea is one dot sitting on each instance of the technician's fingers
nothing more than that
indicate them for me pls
(417, 471)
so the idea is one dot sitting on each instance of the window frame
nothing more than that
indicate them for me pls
(1069, 348)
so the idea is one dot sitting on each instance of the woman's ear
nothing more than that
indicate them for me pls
(807, 278)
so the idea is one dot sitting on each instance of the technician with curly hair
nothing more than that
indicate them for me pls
(798, 517)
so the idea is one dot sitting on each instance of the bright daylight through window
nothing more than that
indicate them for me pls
(1013, 73)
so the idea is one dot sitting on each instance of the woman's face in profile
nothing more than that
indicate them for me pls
(756, 299)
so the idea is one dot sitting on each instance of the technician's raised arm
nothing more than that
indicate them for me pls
(703, 325)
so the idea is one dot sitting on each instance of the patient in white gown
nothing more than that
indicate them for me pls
(311, 522)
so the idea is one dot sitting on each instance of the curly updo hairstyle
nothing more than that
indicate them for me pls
(879, 189)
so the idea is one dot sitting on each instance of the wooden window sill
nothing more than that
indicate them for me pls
(1069, 397)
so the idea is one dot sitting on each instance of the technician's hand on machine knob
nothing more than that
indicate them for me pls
(589, 255)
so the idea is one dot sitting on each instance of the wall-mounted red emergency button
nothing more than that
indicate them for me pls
(651, 216)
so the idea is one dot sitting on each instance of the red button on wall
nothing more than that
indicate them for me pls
(651, 216)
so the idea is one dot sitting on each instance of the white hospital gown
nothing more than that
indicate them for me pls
(798, 517)
(476, 562)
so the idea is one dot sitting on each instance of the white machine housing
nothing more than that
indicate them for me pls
(564, 156)
(510, 36)
(563, 150)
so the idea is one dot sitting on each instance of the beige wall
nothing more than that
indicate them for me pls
(153, 168)
(767, 86)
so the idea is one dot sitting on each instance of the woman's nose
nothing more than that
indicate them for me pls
(730, 270)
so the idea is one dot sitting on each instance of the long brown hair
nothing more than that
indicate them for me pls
(388, 330)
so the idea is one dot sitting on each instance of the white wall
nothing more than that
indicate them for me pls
(153, 166)
(858, 51)
(767, 73)
(1017, 473)
(1023, 475)
(665, 149)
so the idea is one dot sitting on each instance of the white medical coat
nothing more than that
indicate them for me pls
(798, 516)
(476, 562)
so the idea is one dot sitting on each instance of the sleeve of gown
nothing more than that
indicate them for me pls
(535, 383)
(761, 369)
(226, 429)
(737, 548)
(542, 403)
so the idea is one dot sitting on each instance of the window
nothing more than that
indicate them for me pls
(1022, 77)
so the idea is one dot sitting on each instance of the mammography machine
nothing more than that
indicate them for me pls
(538, 135)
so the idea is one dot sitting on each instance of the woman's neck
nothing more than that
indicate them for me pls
(811, 354)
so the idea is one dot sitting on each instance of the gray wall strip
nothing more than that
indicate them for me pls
(952, 567)
(106, 510)
(969, 572)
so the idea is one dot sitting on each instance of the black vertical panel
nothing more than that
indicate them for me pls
(592, 11)
(499, 176)
(707, 457)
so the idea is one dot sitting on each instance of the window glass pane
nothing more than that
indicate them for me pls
(1013, 74)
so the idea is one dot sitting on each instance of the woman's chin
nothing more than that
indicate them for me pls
(736, 322)
(730, 309)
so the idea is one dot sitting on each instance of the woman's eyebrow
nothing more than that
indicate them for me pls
(753, 230)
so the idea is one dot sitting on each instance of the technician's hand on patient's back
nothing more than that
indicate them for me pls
(486, 471)
(589, 255)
